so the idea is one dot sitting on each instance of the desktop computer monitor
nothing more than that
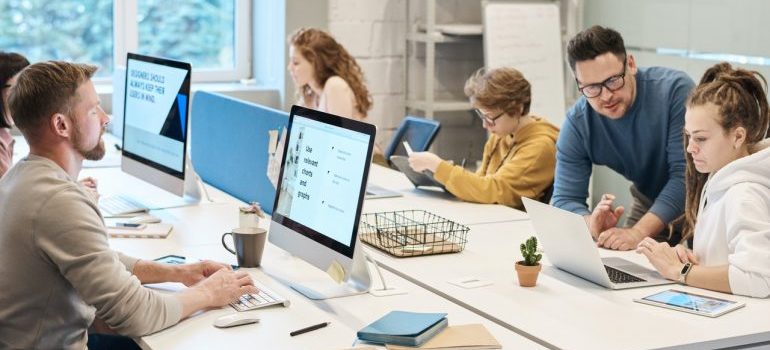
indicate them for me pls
(155, 119)
(319, 198)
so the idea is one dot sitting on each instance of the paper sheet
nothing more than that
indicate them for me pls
(275, 158)
(336, 271)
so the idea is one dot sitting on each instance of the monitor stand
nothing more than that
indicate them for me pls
(358, 282)
(192, 184)
(192, 192)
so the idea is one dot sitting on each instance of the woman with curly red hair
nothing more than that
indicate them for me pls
(327, 77)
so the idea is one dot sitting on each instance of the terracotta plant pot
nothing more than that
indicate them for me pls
(527, 274)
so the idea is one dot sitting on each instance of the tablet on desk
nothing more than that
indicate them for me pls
(418, 179)
(692, 303)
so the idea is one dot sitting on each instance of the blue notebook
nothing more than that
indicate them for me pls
(404, 328)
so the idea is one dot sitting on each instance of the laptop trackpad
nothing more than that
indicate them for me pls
(627, 266)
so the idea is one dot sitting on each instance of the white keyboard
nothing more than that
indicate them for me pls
(265, 297)
(119, 205)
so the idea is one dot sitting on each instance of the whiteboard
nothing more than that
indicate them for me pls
(527, 36)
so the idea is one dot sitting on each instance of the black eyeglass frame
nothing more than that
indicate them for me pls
(484, 118)
(604, 84)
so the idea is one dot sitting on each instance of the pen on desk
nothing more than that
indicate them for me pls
(117, 147)
(309, 329)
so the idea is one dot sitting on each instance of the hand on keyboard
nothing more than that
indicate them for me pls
(195, 272)
(225, 286)
(263, 297)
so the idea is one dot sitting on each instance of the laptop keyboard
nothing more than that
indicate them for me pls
(617, 276)
(265, 297)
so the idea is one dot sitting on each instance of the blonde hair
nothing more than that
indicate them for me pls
(503, 89)
(328, 59)
(741, 98)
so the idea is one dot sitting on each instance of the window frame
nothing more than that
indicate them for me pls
(126, 39)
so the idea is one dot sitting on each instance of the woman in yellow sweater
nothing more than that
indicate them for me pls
(519, 157)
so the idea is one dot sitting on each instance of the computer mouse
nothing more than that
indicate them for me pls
(144, 219)
(235, 319)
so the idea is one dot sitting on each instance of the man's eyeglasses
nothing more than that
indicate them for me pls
(485, 118)
(613, 83)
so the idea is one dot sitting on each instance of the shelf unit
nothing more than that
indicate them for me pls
(432, 36)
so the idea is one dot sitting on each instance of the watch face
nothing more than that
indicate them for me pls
(685, 269)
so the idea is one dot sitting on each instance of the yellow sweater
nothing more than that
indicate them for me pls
(511, 168)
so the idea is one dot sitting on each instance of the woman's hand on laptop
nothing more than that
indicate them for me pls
(662, 256)
(685, 255)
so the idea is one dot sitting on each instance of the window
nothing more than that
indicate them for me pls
(68, 30)
(214, 35)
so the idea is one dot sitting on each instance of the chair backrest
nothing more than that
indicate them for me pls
(547, 194)
(419, 132)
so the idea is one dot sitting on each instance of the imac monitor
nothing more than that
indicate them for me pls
(320, 194)
(155, 119)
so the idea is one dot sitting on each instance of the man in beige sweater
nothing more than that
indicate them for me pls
(57, 271)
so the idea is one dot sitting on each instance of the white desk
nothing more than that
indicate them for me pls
(568, 312)
(197, 232)
(562, 311)
(347, 315)
(437, 202)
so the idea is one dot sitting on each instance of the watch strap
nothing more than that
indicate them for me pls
(684, 272)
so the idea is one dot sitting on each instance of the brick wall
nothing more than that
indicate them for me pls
(374, 31)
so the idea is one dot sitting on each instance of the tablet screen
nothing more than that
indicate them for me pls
(691, 301)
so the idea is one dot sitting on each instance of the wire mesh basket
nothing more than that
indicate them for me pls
(412, 233)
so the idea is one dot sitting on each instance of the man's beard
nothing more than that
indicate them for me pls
(95, 153)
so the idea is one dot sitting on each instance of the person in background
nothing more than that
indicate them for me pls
(10, 66)
(328, 78)
(629, 119)
(727, 208)
(58, 270)
(520, 154)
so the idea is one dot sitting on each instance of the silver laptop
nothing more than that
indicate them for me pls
(569, 246)
(374, 192)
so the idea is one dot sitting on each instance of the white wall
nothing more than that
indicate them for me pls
(374, 31)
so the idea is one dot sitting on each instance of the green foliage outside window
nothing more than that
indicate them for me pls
(197, 31)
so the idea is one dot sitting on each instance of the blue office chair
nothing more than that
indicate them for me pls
(419, 132)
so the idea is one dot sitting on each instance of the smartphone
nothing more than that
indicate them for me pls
(130, 225)
(178, 260)
(171, 259)
(692, 303)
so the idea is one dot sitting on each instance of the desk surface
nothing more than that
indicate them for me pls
(562, 311)
(197, 232)
(438, 202)
(347, 315)
(566, 311)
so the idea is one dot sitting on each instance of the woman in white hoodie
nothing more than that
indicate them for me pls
(727, 209)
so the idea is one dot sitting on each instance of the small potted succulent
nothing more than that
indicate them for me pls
(529, 268)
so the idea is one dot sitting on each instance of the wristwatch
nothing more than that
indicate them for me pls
(683, 273)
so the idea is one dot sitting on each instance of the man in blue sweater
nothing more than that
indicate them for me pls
(629, 119)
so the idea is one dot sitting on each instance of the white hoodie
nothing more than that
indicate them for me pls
(733, 225)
